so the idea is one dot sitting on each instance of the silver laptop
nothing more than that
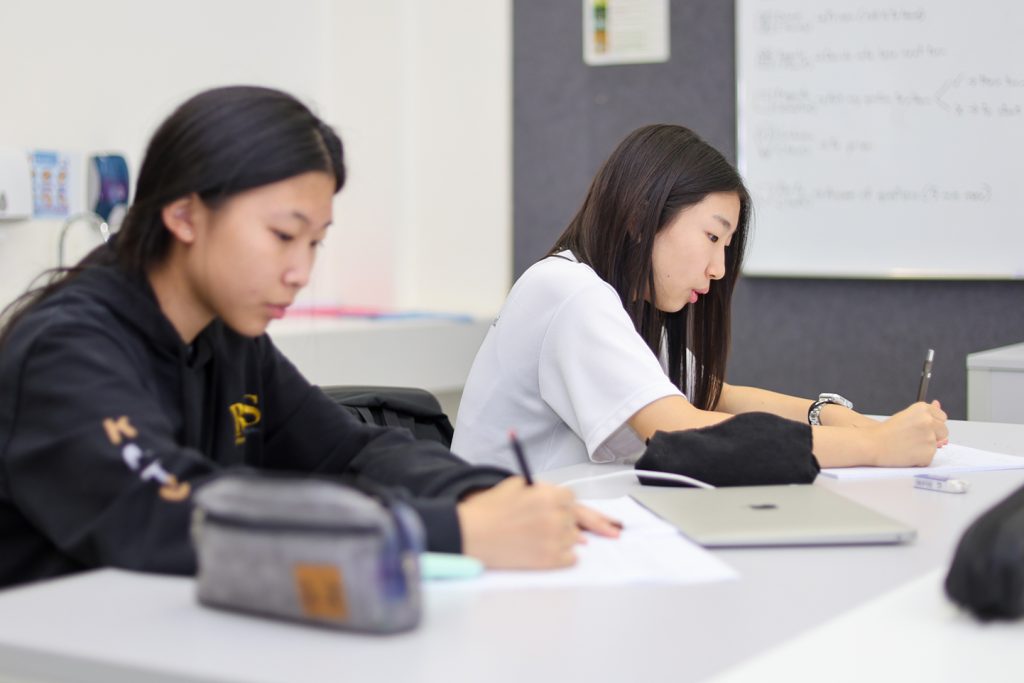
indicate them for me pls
(788, 515)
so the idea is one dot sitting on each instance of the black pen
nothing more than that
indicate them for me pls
(926, 374)
(517, 448)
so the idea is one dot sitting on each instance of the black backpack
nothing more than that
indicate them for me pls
(414, 409)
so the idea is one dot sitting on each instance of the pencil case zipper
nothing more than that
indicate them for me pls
(287, 527)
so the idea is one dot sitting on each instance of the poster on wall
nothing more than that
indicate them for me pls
(56, 177)
(625, 32)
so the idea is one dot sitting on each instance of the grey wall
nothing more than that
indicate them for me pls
(567, 117)
(863, 338)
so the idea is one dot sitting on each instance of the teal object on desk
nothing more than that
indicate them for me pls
(443, 566)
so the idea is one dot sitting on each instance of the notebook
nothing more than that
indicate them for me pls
(788, 515)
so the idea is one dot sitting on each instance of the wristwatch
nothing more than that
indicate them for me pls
(814, 412)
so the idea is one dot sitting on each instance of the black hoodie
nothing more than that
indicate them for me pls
(108, 423)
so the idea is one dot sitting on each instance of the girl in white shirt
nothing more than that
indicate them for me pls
(623, 330)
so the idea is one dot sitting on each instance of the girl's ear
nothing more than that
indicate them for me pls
(181, 217)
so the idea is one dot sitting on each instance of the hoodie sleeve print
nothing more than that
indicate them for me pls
(91, 459)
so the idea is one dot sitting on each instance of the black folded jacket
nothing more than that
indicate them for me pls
(751, 449)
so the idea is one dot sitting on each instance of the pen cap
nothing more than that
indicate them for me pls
(444, 566)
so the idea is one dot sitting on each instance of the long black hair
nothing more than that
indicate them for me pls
(217, 144)
(655, 173)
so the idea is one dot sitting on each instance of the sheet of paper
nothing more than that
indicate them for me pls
(948, 460)
(649, 550)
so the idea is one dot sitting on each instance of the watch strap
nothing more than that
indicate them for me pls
(814, 412)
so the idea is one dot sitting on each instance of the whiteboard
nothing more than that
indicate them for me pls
(883, 139)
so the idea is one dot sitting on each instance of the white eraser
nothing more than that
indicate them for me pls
(935, 482)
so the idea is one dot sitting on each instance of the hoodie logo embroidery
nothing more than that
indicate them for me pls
(246, 414)
(116, 429)
(147, 467)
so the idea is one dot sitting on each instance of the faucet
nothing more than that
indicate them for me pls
(88, 216)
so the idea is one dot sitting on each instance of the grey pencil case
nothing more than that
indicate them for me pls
(307, 550)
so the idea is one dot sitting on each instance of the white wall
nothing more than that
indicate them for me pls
(460, 233)
(420, 93)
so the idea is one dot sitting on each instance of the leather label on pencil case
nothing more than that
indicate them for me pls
(321, 591)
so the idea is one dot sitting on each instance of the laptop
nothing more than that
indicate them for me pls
(787, 515)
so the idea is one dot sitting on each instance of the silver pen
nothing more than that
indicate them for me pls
(926, 374)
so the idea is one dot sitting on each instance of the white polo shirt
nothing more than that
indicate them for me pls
(564, 367)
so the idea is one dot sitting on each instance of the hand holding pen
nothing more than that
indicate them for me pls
(523, 524)
(586, 518)
(910, 437)
(922, 388)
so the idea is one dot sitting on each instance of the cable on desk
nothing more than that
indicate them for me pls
(666, 476)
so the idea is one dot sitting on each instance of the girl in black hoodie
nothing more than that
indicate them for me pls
(144, 371)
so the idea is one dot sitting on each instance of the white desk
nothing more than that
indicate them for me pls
(112, 626)
(910, 634)
(995, 385)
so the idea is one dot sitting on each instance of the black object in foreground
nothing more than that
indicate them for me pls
(987, 574)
